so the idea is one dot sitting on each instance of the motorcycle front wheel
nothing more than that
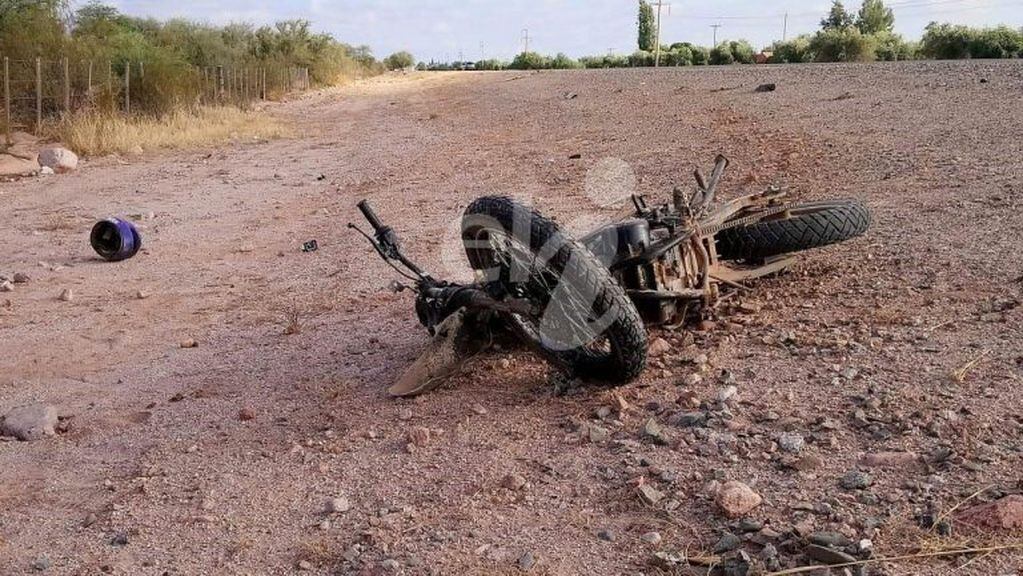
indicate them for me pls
(582, 320)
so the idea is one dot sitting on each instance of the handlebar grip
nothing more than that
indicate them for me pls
(370, 215)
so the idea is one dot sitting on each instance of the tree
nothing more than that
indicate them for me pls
(875, 17)
(837, 18)
(843, 45)
(647, 27)
(722, 54)
(399, 61)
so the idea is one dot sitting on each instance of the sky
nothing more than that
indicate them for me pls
(447, 30)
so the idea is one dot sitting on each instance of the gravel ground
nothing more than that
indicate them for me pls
(258, 452)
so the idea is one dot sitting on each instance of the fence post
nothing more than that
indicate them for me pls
(67, 86)
(7, 97)
(262, 73)
(127, 88)
(39, 94)
(89, 91)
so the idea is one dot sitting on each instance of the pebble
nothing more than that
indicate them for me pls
(736, 499)
(725, 394)
(41, 564)
(690, 419)
(832, 539)
(189, 343)
(419, 436)
(66, 295)
(727, 543)
(6, 286)
(649, 494)
(658, 347)
(514, 481)
(652, 430)
(652, 538)
(607, 536)
(305, 565)
(526, 562)
(828, 555)
(855, 480)
(31, 422)
(598, 434)
(246, 414)
(21, 278)
(390, 565)
(479, 409)
(791, 442)
(339, 505)
(141, 294)
(119, 539)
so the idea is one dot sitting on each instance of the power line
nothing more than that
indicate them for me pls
(715, 27)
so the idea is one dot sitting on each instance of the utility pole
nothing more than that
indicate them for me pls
(715, 27)
(657, 34)
(483, 53)
(785, 28)
(525, 40)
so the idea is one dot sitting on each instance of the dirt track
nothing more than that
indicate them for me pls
(153, 447)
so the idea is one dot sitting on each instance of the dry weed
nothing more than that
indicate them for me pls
(97, 133)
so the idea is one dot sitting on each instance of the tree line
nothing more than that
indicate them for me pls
(867, 35)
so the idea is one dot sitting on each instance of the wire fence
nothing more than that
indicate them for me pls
(40, 90)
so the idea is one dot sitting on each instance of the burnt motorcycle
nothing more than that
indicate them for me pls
(583, 305)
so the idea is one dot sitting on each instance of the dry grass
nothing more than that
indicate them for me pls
(96, 133)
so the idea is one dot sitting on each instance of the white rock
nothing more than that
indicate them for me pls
(32, 422)
(46, 171)
(6, 286)
(59, 159)
(339, 505)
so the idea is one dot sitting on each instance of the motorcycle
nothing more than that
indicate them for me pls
(583, 305)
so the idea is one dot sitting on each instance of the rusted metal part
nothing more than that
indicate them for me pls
(456, 340)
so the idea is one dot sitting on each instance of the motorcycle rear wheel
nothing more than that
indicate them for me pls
(585, 322)
(807, 226)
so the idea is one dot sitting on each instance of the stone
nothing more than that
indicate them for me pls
(791, 442)
(6, 286)
(66, 295)
(658, 347)
(246, 414)
(653, 430)
(305, 565)
(727, 543)
(736, 499)
(607, 536)
(390, 565)
(41, 564)
(690, 419)
(827, 555)
(649, 494)
(514, 481)
(28, 423)
(20, 278)
(652, 538)
(1005, 514)
(856, 480)
(891, 460)
(189, 343)
(832, 539)
(598, 434)
(526, 562)
(58, 159)
(727, 393)
(46, 171)
(12, 166)
(339, 505)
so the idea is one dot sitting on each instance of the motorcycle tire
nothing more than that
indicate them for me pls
(527, 256)
(807, 226)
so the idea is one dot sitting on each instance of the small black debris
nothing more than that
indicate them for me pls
(310, 246)
(983, 80)
(569, 95)
(321, 177)
(575, 156)
(771, 87)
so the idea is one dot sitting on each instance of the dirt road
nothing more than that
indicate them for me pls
(159, 468)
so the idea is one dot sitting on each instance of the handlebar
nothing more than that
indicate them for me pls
(370, 215)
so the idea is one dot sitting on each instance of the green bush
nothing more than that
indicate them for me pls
(742, 51)
(678, 56)
(1000, 42)
(563, 62)
(722, 54)
(842, 45)
(641, 58)
(701, 55)
(793, 51)
(530, 61)
(399, 61)
(889, 46)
